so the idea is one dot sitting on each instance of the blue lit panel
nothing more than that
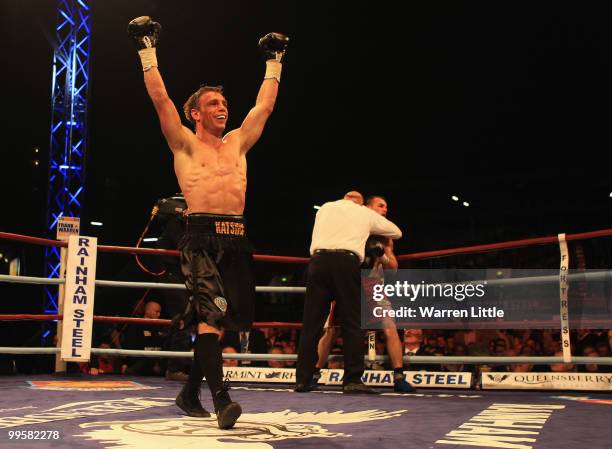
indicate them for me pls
(68, 139)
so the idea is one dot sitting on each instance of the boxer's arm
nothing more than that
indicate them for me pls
(379, 225)
(273, 45)
(145, 33)
(388, 260)
(253, 125)
(175, 133)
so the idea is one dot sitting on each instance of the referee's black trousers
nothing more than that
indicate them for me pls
(332, 275)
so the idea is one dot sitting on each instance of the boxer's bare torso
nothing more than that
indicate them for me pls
(213, 177)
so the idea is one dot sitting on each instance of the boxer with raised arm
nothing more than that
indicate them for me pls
(211, 169)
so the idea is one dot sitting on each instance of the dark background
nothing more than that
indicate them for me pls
(505, 105)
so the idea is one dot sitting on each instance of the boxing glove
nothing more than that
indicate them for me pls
(145, 34)
(274, 45)
(374, 249)
(144, 31)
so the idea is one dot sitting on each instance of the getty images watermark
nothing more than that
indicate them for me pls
(485, 298)
(413, 292)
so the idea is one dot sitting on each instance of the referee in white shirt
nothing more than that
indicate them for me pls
(338, 244)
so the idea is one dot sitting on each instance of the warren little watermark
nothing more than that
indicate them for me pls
(433, 312)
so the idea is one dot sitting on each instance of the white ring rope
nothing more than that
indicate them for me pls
(265, 357)
(593, 276)
(128, 284)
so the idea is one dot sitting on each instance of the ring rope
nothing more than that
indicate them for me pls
(145, 251)
(592, 323)
(503, 245)
(595, 276)
(293, 357)
(134, 320)
(289, 259)
(128, 284)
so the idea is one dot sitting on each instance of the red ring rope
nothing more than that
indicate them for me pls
(130, 250)
(116, 319)
(504, 245)
(288, 259)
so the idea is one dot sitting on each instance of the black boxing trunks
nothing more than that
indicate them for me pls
(217, 262)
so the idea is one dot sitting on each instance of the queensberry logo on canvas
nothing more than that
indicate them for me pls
(84, 385)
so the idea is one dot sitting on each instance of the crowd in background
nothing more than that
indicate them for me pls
(525, 342)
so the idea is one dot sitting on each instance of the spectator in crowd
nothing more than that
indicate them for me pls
(466, 337)
(431, 341)
(271, 334)
(229, 350)
(144, 337)
(104, 338)
(413, 342)
(536, 346)
(499, 347)
(603, 349)
(289, 348)
(413, 345)
(562, 367)
(450, 344)
(441, 344)
(255, 343)
(589, 351)
(460, 350)
(276, 350)
(589, 337)
(519, 367)
(102, 363)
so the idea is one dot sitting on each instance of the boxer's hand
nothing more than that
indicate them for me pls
(375, 249)
(144, 31)
(274, 45)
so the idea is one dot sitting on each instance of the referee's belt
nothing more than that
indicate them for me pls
(341, 251)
